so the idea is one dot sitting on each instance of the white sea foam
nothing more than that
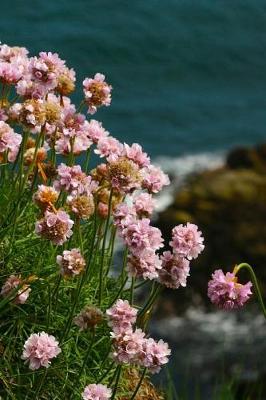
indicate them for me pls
(180, 167)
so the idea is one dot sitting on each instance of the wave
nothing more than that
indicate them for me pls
(179, 168)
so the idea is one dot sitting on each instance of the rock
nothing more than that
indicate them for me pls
(229, 206)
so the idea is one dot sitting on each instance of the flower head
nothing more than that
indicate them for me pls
(82, 206)
(187, 241)
(147, 265)
(9, 141)
(13, 283)
(154, 354)
(154, 179)
(55, 226)
(97, 92)
(88, 318)
(45, 196)
(96, 392)
(225, 291)
(174, 271)
(74, 181)
(40, 349)
(71, 262)
(121, 316)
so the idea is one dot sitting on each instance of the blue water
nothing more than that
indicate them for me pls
(188, 76)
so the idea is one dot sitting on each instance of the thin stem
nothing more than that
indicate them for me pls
(139, 384)
(118, 372)
(255, 283)
(101, 283)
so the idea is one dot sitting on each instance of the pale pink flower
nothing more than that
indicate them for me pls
(96, 131)
(96, 392)
(154, 354)
(9, 141)
(127, 346)
(9, 73)
(187, 241)
(97, 92)
(74, 181)
(144, 204)
(174, 271)
(13, 283)
(72, 263)
(225, 291)
(79, 139)
(55, 226)
(136, 154)
(121, 316)
(40, 349)
(147, 265)
(140, 235)
(3, 115)
(8, 53)
(108, 146)
(124, 215)
(154, 179)
(123, 175)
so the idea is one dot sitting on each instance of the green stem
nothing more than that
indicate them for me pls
(255, 283)
(101, 283)
(139, 384)
(118, 373)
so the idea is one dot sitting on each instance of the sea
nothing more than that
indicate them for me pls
(188, 76)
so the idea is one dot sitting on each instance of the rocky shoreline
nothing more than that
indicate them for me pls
(229, 205)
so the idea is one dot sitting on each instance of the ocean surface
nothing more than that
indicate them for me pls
(189, 77)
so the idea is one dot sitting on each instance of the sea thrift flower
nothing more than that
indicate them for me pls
(71, 262)
(55, 226)
(225, 291)
(29, 155)
(154, 179)
(136, 154)
(109, 147)
(9, 73)
(74, 181)
(187, 241)
(121, 316)
(96, 392)
(95, 131)
(154, 354)
(128, 346)
(88, 318)
(82, 206)
(40, 349)
(66, 81)
(144, 204)
(45, 197)
(140, 235)
(124, 216)
(124, 175)
(146, 266)
(12, 283)
(9, 141)
(174, 271)
(97, 92)
(31, 114)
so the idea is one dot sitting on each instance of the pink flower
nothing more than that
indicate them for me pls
(147, 265)
(97, 92)
(226, 292)
(80, 142)
(154, 179)
(95, 131)
(8, 53)
(154, 354)
(140, 235)
(96, 392)
(121, 316)
(9, 141)
(174, 271)
(128, 346)
(40, 349)
(45, 69)
(9, 73)
(11, 284)
(136, 154)
(74, 181)
(144, 204)
(55, 226)
(109, 146)
(187, 241)
(123, 216)
(71, 262)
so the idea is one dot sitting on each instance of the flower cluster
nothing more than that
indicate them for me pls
(226, 292)
(15, 285)
(96, 392)
(132, 346)
(40, 349)
(71, 262)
